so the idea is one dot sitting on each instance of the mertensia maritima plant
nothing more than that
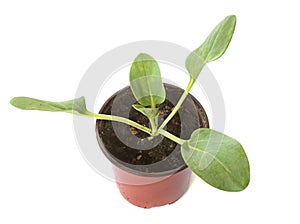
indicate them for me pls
(213, 156)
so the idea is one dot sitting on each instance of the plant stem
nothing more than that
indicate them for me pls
(178, 105)
(122, 120)
(171, 136)
(154, 125)
(136, 125)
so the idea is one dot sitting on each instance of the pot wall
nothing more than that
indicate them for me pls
(160, 191)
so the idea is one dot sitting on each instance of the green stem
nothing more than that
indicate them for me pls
(171, 136)
(122, 120)
(177, 107)
(153, 122)
(136, 125)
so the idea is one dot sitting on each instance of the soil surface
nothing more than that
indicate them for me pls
(130, 148)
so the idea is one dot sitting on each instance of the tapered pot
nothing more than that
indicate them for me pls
(149, 172)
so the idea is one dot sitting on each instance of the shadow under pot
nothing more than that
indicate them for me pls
(149, 172)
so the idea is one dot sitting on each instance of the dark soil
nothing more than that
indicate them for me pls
(130, 148)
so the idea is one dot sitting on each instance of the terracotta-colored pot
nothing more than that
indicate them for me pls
(160, 191)
(162, 181)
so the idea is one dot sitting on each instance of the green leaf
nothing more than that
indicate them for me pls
(76, 106)
(148, 112)
(213, 47)
(146, 82)
(218, 159)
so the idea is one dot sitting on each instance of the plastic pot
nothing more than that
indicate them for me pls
(149, 172)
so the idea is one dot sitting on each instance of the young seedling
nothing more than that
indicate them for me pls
(213, 156)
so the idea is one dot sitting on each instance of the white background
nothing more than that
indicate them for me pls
(45, 48)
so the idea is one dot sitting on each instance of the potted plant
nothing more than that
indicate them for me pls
(165, 134)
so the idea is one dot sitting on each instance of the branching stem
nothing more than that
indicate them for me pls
(136, 125)
(178, 105)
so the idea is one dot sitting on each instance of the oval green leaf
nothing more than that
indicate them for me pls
(213, 47)
(148, 112)
(146, 82)
(218, 159)
(76, 106)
